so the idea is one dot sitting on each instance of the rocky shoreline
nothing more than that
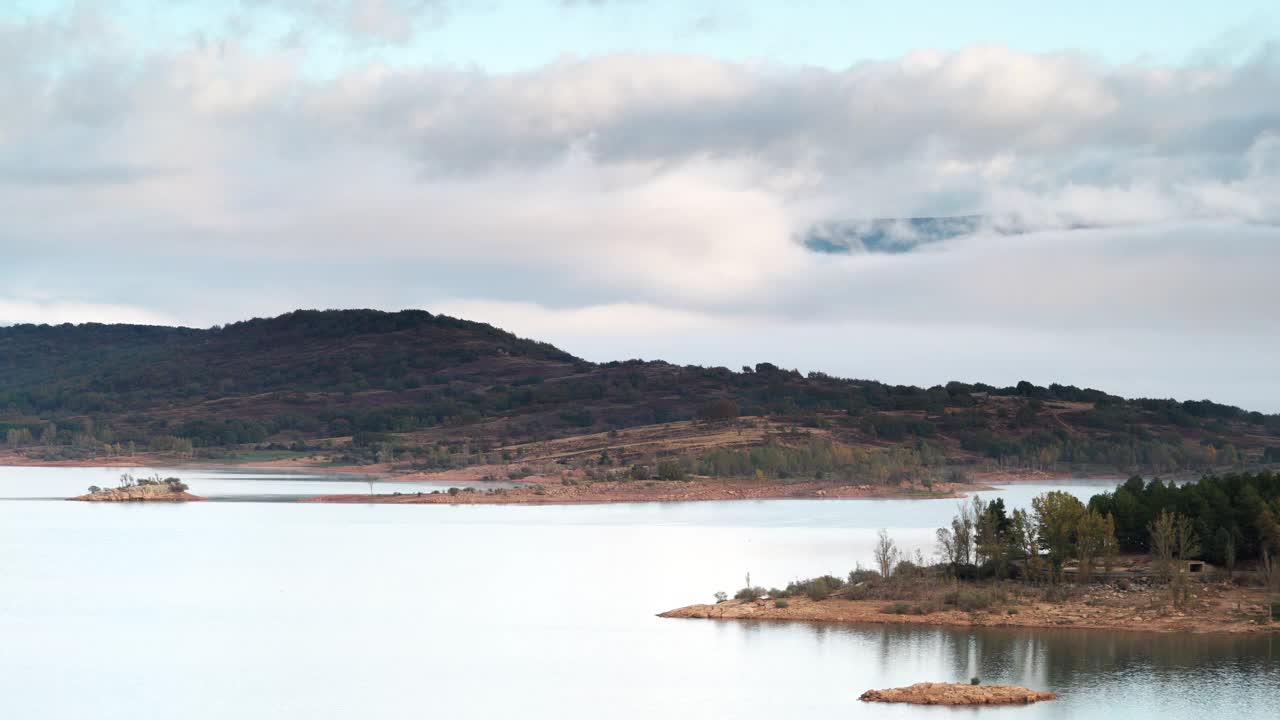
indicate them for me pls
(698, 489)
(139, 493)
(1217, 609)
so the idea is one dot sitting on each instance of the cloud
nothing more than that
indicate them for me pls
(54, 312)
(625, 200)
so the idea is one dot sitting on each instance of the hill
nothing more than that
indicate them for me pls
(429, 391)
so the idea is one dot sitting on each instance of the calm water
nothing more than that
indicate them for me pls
(270, 610)
(213, 483)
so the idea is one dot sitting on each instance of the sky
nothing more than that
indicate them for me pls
(713, 183)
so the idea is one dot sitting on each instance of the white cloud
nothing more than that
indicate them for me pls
(654, 197)
(54, 312)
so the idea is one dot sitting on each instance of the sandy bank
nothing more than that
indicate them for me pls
(957, 694)
(1217, 609)
(700, 489)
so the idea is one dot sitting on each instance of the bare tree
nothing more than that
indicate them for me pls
(947, 547)
(886, 554)
(1163, 539)
(1111, 545)
(1187, 544)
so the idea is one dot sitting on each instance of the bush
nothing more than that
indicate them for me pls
(975, 680)
(863, 575)
(1275, 611)
(781, 604)
(670, 470)
(898, 608)
(819, 588)
(749, 594)
(1011, 611)
(967, 600)
(721, 596)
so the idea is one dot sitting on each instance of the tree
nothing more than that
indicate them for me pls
(1057, 516)
(1111, 545)
(1022, 542)
(1187, 545)
(716, 410)
(886, 553)
(1162, 532)
(17, 437)
(1092, 541)
(947, 547)
(1269, 527)
(991, 532)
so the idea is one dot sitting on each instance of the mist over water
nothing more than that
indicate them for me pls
(269, 610)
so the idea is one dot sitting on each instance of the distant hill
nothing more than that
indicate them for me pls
(422, 388)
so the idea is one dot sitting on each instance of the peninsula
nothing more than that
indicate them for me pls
(1125, 560)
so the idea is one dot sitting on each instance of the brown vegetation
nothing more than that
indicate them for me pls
(139, 493)
(571, 491)
(1213, 607)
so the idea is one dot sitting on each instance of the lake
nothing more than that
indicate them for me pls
(275, 609)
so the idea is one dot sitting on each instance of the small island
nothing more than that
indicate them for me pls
(957, 694)
(131, 489)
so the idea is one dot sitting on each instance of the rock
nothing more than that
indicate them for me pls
(957, 694)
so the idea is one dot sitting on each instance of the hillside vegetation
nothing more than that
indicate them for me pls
(429, 391)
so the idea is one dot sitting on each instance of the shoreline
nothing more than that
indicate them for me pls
(570, 487)
(696, 490)
(1214, 614)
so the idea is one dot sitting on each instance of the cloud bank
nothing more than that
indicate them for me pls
(660, 204)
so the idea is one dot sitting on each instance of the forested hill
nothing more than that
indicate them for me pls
(429, 380)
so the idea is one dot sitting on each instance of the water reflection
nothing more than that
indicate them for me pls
(268, 610)
(1125, 673)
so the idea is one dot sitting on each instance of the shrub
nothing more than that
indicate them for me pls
(975, 680)
(898, 608)
(863, 575)
(781, 604)
(967, 600)
(924, 609)
(819, 588)
(749, 594)
(721, 596)
(670, 470)
(1011, 611)
(1275, 611)
(1123, 584)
